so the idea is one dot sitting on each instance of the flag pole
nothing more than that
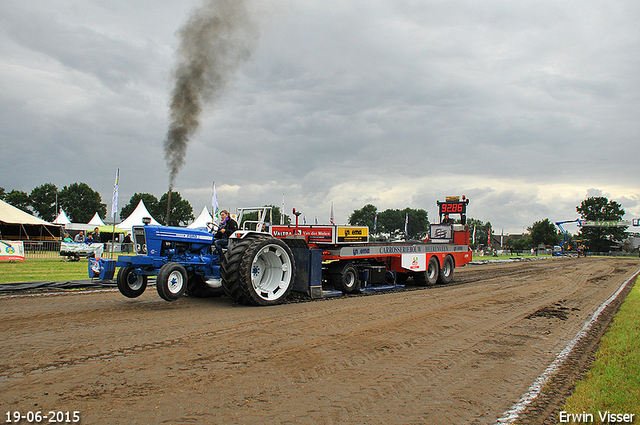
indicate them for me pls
(114, 207)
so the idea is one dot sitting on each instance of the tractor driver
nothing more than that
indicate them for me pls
(226, 229)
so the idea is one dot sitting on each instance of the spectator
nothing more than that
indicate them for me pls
(126, 242)
(79, 237)
(67, 238)
(96, 235)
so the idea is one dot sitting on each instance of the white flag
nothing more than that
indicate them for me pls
(406, 225)
(114, 200)
(215, 208)
(331, 217)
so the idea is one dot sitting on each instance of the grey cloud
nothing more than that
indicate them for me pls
(497, 100)
(114, 62)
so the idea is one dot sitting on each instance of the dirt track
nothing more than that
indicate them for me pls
(458, 354)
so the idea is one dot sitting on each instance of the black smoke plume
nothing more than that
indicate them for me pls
(216, 39)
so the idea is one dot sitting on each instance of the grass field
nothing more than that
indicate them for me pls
(36, 270)
(613, 383)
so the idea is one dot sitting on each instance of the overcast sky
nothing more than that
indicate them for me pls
(525, 107)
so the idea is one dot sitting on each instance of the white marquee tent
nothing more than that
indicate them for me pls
(135, 218)
(202, 219)
(96, 220)
(62, 218)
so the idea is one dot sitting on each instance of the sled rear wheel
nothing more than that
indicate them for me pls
(446, 274)
(346, 279)
(432, 272)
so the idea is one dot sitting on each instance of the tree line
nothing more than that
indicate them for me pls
(80, 203)
(596, 239)
(392, 222)
(543, 232)
(78, 200)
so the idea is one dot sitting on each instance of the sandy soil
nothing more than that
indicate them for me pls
(456, 354)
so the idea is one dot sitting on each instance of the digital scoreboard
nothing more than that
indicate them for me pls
(452, 208)
(453, 205)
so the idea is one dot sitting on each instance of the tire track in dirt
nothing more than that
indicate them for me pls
(541, 404)
(373, 352)
(429, 373)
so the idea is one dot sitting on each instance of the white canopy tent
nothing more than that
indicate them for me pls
(62, 219)
(135, 218)
(96, 220)
(202, 220)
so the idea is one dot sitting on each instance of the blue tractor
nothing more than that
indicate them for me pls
(257, 269)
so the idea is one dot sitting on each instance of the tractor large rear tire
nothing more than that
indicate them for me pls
(258, 270)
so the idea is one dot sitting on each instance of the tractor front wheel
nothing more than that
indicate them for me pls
(131, 284)
(171, 282)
